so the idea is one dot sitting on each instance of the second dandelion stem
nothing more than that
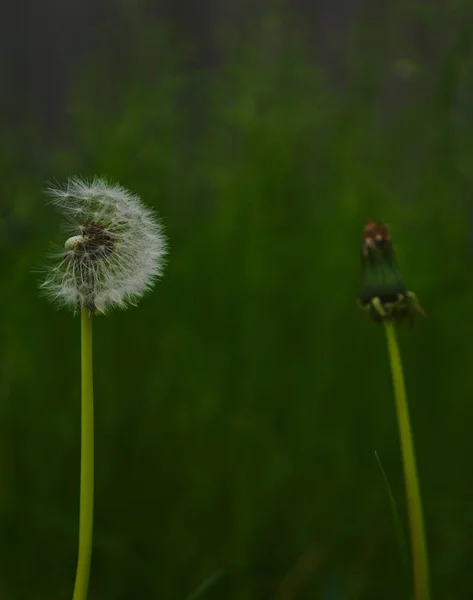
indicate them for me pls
(414, 504)
(87, 462)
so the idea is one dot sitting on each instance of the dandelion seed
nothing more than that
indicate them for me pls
(115, 252)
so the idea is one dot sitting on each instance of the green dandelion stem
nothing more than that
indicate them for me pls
(414, 504)
(87, 462)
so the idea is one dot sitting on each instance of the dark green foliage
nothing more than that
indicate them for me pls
(239, 406)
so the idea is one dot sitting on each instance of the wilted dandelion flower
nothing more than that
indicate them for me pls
(387, 300)
(115, 250)
(384, 293)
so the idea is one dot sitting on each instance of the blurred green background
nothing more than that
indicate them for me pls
(238, 408)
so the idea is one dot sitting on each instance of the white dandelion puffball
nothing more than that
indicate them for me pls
(115, 250)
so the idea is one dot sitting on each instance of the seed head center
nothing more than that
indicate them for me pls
(95, 242)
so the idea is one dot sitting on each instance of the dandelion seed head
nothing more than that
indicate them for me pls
(115, 250)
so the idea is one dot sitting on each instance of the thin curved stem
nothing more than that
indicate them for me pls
(86, 462)
(414, 504)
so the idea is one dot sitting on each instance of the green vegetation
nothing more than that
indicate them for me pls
(238, 410)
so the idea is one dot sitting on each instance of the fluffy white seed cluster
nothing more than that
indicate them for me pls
(115, 250)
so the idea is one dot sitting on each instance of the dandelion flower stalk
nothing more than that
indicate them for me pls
(86, 461)
(387, 300)
(113, 255)
(414, 504)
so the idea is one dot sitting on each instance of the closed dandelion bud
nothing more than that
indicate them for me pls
(115, 250)
(384, 294)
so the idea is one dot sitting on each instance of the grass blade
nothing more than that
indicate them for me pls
(400, 532)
